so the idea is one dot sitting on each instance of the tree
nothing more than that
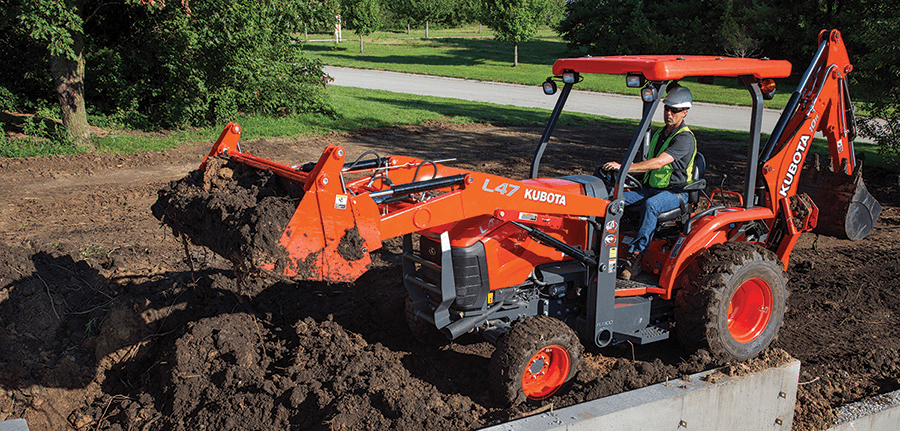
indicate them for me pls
(154, 64)
(321, 15)
(624, 28)
(425, 10)
(877, 79)
(58, 24)
(363, 16)
(517, 21)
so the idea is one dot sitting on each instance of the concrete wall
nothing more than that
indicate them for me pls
(881, 413)
(14, 425)
(755, 402)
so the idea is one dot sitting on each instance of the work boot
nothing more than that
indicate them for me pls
(631, 266)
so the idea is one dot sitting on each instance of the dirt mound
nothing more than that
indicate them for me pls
(841, 324)
(230, 372)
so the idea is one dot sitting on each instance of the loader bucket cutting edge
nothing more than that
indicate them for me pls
(846, 208)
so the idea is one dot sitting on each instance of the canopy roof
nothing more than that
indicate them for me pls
(668, 67)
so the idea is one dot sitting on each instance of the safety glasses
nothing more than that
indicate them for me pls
(675, 110)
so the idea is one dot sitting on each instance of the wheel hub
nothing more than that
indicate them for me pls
(749, 310)
(546, 372)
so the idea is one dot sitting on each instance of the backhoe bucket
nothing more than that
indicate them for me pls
(846, 209)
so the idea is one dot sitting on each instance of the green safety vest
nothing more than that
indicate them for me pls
(659, 178)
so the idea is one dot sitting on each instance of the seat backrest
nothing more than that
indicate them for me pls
(699, 166)
(699, 170)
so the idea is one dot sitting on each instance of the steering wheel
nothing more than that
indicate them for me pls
(632, 183)
(610, 179)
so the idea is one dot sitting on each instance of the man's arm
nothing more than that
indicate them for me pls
(643, 166)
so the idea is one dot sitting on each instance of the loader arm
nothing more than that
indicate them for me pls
(340, 220)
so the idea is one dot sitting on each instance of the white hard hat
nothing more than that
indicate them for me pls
(679, 97)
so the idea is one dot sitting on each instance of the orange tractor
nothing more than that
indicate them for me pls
(531, 264)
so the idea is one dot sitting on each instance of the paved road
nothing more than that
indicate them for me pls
(610, 105)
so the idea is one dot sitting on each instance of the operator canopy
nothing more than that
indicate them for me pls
(679, 97)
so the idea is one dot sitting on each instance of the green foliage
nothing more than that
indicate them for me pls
(54, 23)
(398, 14)
(877, 80)
(519, 20)
(424, 10)
(167, 65)
(165, 68)
(783, 29)
(43, 138)
(8, 100)
(320, 15)
(26, 78)
(363, 16)
(624, 28)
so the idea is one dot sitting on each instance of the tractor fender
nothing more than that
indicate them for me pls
(708, 231)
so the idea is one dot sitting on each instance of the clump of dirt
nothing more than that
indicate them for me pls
(351, 245)
(237, 211)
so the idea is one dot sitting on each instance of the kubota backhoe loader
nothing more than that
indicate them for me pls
(531, 264)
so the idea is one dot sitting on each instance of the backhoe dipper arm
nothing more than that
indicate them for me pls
(823, 106)
(821, 103)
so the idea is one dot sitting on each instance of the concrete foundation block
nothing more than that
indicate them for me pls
(760, 401)
(881, 413)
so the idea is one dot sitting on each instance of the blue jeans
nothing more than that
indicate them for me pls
(653, 203)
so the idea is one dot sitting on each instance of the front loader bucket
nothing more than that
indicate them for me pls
(272, 219)
(846, 209)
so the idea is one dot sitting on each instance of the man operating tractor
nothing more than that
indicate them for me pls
(673, 149)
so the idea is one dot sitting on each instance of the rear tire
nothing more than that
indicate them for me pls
(534, 359)
(732, 301)
(424, 332)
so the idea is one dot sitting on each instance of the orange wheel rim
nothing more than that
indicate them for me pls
(749, 310)
(546, 372)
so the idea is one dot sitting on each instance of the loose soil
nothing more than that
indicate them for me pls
(110, 321)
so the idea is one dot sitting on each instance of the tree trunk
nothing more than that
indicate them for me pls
(516, 52)
(360, 44)
(68, 78)
(426, 29)
(407, 29)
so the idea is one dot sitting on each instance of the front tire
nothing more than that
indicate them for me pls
(732, 301)
(534, 359)
(421, 330)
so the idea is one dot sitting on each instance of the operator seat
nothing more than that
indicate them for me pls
(683, 212)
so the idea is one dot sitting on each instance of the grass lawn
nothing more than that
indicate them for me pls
(466, 53)
(361, 109)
